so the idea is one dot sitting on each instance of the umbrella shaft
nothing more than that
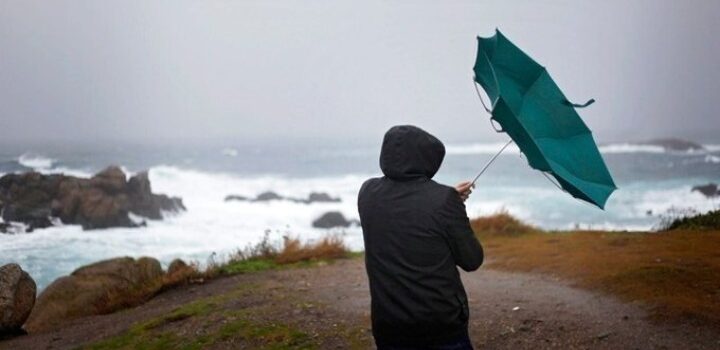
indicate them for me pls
(491, 161)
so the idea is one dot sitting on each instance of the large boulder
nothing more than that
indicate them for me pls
(104, 200)
(333, 219)
(17, 297)
(95, 289)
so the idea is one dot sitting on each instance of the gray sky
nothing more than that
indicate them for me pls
(169, 70)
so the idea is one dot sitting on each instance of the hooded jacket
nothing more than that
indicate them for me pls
(416, 233)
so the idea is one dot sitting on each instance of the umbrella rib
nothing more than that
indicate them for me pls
(480, 97)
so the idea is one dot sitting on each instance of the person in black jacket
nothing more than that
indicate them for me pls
(416, 232)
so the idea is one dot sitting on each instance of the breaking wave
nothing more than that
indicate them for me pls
(36, 161)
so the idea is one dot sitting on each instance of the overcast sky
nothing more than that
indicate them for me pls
(173, 70)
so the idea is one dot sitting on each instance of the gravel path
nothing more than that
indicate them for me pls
(508, 311)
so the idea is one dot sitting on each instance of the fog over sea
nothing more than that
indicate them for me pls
(651, 181)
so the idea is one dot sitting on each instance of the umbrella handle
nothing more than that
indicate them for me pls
(491, 161)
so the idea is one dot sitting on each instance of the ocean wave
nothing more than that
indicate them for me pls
(712, 148)
(36, 161)
(712, 159)
(630, 148)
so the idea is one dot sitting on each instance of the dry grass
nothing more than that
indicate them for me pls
(500, 223)
(328, 248)
(676, 273)
(265, 255)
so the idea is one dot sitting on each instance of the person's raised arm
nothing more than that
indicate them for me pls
(465, 247)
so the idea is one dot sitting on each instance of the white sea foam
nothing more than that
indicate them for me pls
(35, 161)
(712, 148)
(630, 148)
(712, 159)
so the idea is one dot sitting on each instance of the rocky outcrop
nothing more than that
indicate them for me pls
(314, 197)
(104, 200)
(333, 219)
(675, 145)
(710, 190)
(235, 197)
(17, 297)
(95, 289)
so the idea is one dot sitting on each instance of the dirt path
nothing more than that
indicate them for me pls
(331, 305)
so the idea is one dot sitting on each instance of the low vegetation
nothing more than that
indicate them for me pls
(223, 321)
(211, 321)
(676, 273)
(266, 256)
(501, 223)
(694, 221)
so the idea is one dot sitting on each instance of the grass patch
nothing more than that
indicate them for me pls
(292, 253)
(210, 324)
(246, 266)
(707, 221)
(675, 272)
(273, 336)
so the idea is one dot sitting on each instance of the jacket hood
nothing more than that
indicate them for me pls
(409, 152)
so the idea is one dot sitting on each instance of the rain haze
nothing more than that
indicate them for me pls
(342, 70)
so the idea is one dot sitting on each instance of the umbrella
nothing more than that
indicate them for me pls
(531, 109)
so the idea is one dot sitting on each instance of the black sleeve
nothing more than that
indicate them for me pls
(465, 247)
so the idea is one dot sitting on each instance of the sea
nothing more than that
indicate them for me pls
(653, 184)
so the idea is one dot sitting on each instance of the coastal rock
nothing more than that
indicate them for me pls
(710, 190)
(95, 289)
(676, 145)
(235, 197)
(332, 219)
(102, 201)
(144, 203)
(314, 197)
(27, 198)
(321, 197)
(268, 196)
(17, 297)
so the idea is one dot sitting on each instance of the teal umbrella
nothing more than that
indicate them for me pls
(532, 110)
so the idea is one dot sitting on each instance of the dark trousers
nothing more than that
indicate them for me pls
(462, 343)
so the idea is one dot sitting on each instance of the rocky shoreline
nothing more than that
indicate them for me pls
(99, 288)
(105, 200)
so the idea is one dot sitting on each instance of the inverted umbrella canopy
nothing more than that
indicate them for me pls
(532, 110)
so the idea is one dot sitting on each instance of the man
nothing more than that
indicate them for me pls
(416, 232)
